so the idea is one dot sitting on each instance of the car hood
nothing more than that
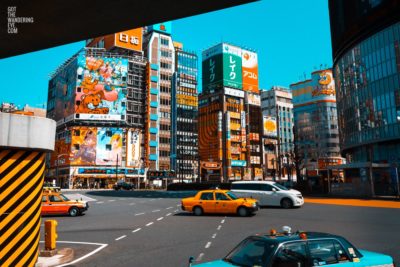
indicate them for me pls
(250, 200)
(294, 192)
(217, 263)
(375, 258)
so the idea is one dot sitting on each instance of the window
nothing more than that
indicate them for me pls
(291, 255)
(44, 198)
(207, 196)
(322, 252)
(55, 199)
(266, 187)
(221, 196)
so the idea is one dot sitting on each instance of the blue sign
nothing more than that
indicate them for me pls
(238, 163)
(165, 27)
(109, 171)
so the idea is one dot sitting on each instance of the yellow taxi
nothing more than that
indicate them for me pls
(219, 201)
(55, 203)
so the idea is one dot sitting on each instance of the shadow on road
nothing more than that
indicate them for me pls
(189, 214)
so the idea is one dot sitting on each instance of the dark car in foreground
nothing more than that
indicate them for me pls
(299, 249)
(123, 186)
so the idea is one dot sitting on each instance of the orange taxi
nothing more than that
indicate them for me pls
(219, 201)
(55, 203)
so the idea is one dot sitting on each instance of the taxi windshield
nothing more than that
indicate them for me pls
(231, 195)
(64, 197)
(252, 251)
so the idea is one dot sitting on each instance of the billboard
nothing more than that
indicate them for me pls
(250, 71)
(212, 71)
(83, 148)
(133, 155)
(101, 88)
(109, 146)
(232, 66)
(131, 39)
(164, 27)
(253, 99)
(270, 127)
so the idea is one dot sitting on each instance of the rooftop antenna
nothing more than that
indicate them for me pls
(305, 76)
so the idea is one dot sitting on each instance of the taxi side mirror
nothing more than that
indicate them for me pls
(191, 260)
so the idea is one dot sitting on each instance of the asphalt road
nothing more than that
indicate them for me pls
(149, 229)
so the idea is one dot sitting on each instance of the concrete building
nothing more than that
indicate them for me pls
(184, 106)
(366, 68)
(230, 122)
(315, 122)
(276, 103)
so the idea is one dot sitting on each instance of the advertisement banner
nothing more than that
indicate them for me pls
(83, 145)
(253, 99)
(133, 153)
(212, 71)
(109, 146)
(238, 163)
(234, 92)
(131, 39)
(101, 87)
(270, 127)
(325, 84)
(232, 66)
(250, 71)
(236, 150)
(164, 27)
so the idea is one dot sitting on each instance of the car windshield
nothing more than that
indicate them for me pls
(281, 187)
(231, 195)
(64, 197)
(251, 252)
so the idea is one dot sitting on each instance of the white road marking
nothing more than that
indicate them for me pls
(150, 223)
(219, 227)
(159, 219)
(155, 210)
(169, 208)
(178, 205)
(85, 256)
(137, 229)
(208, 245)
(111, 200)
(214, 235)
(168, 214)
(137, 214)
(100, 202)
(200, 257)
(132, 204)
(119, 238)
(223, 221)
(176, 210)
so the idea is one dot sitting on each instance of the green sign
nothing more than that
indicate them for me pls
(232, 70)
(212, 72)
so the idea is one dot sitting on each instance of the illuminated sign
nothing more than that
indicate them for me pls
(238, 163)
(160, 174)
(232, 66)
(234, 92)
(109, 171)
(133, 148)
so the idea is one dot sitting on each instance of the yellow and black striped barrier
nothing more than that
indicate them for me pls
(21, 182)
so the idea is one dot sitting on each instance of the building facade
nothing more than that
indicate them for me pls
(276, 103)
(98, 141)
(316, 124)
(184, 106)
(230, 122)
(367, 75)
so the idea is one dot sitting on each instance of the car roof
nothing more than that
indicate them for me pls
(253, 182)
(282, 238)
(213, 190)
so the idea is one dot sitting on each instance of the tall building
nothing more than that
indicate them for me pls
(184, 110)
(230, 122)
(366, 52)
(159, 49)
(96, 99)
(276, 103)
(315, 122)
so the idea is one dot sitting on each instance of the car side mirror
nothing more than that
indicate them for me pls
(191, 260)
(274, 189)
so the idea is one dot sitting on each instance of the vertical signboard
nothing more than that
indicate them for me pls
(250, 71)
(83, 147)
(133, 149)
(101, 88)
(269, 125)
(232, 66)
(212, 67)
(109, 146)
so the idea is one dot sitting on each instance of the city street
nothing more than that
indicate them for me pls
(143, 228)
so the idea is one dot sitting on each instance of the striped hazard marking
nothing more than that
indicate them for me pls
(21, 182)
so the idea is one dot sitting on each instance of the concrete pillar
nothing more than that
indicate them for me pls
(24, 141)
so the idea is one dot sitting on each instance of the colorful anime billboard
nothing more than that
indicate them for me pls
(101, 88)
(109, 146)
(83, 147)
(133, 155)
(250, 71)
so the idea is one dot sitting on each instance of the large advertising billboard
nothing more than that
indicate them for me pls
(109, 146)
(250, 71)
(212, 71)
(83, 149)
(232, 66)
(133, 155)
(101, 88)
(270, 127)
(131, 39)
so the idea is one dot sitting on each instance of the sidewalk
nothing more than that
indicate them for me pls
(371, 202)
(63, 255)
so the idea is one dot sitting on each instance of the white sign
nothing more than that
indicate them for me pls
(106, 117)
(234, 92)
(253, 99)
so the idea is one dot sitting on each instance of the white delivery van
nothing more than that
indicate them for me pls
(268, 193)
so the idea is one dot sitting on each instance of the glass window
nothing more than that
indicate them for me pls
(53, 198)
(207, 196)
(266, 187)
(291, 255)
(322, 252)
(44, 198)
(221, 196)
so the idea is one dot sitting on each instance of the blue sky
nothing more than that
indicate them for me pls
(292, 38)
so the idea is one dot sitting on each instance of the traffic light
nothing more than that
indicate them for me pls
(50, 234)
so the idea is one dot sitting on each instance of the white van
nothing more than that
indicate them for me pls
(268, 193)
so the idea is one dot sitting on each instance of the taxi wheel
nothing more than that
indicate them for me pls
(242, 212)
(286, 203)
(198, 211)
(73, 212)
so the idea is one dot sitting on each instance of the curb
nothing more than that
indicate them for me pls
(64, 255)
